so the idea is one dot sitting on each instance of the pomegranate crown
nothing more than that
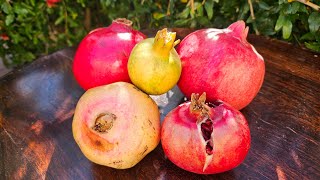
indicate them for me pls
(238, 29)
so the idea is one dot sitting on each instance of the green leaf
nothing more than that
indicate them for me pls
(181, 22)
(280, 22)
(158, 16)
(295, 7)
(208, 6)
(20, 10)
(6, 7)
(244, 10)
(59, 20)
(185, 13)
(286, 29)
(9, 19)
(314, 21)
(29, 56)
(313, 46)
(303, 8)
(32, 2)
(308, 36)
(193, 23)
(263, 5)
(203, 21)
(199, 8)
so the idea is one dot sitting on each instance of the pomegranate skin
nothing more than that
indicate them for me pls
(221, 63)
(116, 125)
(102, 56)
(185, 146)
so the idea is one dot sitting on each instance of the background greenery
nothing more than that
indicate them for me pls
(30, 28)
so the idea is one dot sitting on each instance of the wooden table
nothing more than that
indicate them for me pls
(37, 104)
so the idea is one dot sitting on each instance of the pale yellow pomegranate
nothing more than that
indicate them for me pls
(154, 66)
(116, 125)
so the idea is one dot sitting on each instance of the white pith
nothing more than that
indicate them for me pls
(256, 52)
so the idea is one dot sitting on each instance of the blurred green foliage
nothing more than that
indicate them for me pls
(30, 28)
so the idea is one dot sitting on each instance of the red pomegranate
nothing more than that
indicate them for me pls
(102, 56)
(52, 3)
(205, 138)
(221, 63)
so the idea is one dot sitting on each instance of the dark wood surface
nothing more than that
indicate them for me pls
(37, 104)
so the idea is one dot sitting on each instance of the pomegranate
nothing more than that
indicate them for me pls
(222, 63)
(154, 65)
(116, 125)
(52, 3)
(205, 138)
(102, 56)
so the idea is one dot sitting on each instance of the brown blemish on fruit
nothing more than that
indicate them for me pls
(93, 140)
(117, 162)
(104, 122)
(98, 143)
(145, 150)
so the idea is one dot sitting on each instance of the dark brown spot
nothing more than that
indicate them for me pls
(104, 122)
(145, 150)
(98, 143)
(117, 162)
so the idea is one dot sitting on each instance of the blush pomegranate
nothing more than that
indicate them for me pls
(222, 63)
(102, 56)
(205, 138)
(116, 125)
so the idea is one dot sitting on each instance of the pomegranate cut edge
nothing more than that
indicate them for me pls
(208, 156)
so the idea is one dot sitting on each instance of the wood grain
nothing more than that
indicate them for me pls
(37, 104)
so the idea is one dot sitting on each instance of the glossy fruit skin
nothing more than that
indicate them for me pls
(153, 67)
(184, 145)
(102, 56)
(132, 132)
(221, 63)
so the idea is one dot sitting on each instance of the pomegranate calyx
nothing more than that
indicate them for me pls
(198, 105)
(164, 41)
(123, 21)
(239, 30)
(104, 122)
(121, 25)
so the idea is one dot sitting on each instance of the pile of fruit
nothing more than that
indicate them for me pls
(116, 123)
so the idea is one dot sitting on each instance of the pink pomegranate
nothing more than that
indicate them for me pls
(102, 56)
(221, 63)
(116, 125)
(205, 138)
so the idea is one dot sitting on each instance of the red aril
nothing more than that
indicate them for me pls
(205, 138)
(102, 56)
(221, 63)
